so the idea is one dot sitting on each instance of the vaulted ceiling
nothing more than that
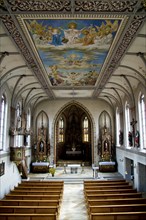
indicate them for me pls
(55, 49)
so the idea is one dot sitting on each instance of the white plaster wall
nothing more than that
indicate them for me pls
(132, 154)
(10, 178)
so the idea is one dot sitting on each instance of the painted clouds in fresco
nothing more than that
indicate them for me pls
(72, 51)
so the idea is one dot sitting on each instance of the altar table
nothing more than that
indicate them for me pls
(40, 167)
(74, 167)
(107, 166)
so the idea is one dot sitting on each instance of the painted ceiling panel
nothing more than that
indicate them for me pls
(72, 51)
(73, 93)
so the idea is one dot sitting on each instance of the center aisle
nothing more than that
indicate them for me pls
(73, 205)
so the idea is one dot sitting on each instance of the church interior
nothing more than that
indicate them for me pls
(73, 109)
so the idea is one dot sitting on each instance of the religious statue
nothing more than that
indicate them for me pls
(120, 137)
(106, 146)
(130, 138)
(137, 141)
(41, 146)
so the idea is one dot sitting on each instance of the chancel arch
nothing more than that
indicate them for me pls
(73, 135)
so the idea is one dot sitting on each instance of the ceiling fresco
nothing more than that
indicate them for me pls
(72, 51)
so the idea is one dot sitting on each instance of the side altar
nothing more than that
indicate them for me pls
(106, 147)
(41, 149)
(40, 167)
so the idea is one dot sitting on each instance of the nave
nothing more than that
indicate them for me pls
(74, 196)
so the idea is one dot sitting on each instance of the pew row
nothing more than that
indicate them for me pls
(9, 202)
(42, 183)
(105, 183)
(30, 209)
(42, 188)
(102, 181)
(112, 191)
(113, 196)
(33, 197)
(115, 201)
(117, 208)
(20, 216)
(36, 192)
(118, 216)
(108, 187)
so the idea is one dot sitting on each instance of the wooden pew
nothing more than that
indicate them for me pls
(102, 181)
(42, 188)
(36, 192)
(20, 216)
(117, 208)
(115, 201)
(118, 216)
(112, 191)
(108, 187)
(29, 209)
(106, 183)
(113, 196)
(42, 183)
(9, 202)
(33, 197)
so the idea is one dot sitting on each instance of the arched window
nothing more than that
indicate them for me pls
(28, 125)
(127, 124)
(142, 121)
(61, 130)
(85, 129)
(2, 121)
(28, 120)
(18, 115)
(118, 126)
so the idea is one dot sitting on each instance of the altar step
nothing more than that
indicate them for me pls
(61, 163)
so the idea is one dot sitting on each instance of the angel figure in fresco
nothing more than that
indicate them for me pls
(56, 37)
(104, 32)
(72, 34)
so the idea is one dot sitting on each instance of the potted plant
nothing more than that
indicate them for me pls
(52, 170)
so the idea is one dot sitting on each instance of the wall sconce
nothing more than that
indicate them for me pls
(121, 160)
(134, 166)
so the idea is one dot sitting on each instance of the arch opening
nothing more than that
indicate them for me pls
(73, 136)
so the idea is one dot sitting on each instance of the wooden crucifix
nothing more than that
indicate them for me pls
(133, 123)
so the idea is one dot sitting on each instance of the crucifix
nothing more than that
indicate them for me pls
(133, 123)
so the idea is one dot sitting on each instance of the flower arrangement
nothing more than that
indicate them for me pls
(52, 170)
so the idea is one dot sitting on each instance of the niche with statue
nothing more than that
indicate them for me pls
(40, 163)
(106, 148)
(41, 145)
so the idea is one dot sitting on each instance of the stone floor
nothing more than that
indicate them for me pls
(73, 205)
